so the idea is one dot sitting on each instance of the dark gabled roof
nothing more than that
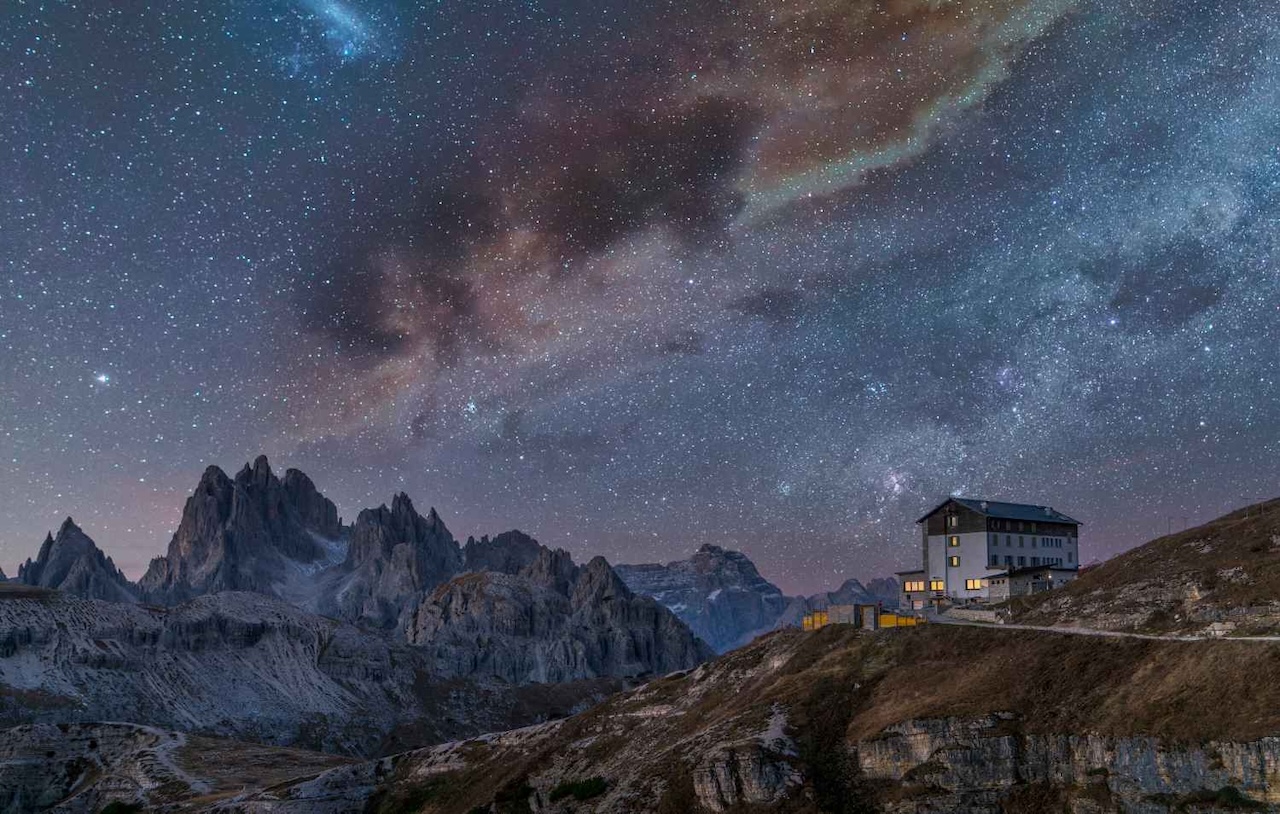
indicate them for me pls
(1006, 511)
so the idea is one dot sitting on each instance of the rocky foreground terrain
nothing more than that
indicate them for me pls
(1221, 578)
(939, 719)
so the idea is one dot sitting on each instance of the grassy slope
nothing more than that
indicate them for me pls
(838, 686)
(1228, 569)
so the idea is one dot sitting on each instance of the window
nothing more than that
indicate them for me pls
(974, 584)
(1033, 542)
(1070, 557)
(1022, 541)
(953, 521)
(1022, 561)
(953, 541)
(995, 559)
(916, 586)
(1035, 560)
(1008, 559)
(937, 585)
(954, 562)
(1008, 540)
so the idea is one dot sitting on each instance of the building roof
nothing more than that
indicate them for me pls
(906, 573)
(1006, 511)
(1027, 569)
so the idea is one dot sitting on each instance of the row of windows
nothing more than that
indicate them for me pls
(1015, 525)
(1022, 561)
(953, 522)
(1041, 542)
(975, 584)
(917, 586)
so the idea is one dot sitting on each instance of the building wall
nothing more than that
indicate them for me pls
(972, 552)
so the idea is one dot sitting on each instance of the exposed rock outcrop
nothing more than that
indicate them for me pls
(250, 533)
(396, 556)
(551, 621)
(73, 563)
(717, 592)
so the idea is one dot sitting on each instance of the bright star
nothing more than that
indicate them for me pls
(102, 378)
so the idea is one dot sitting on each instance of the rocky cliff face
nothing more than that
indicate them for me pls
(250, 533)
(551, 621)
(73, 563)
(396, 555)
(243, 665)
(847, 721)
(717, 592)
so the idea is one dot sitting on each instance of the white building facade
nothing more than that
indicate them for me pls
(965, 542)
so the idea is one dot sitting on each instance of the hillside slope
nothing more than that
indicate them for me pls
(937, 719)
(1225, 574)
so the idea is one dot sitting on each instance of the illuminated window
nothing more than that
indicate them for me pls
(937, 585)
(953, 542)
(953, 520)
(954, 562)
(974, 584)
(915, 587)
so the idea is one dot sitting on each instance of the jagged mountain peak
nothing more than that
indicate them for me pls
(508, 552)
(73, 563)
(395, 556)
(252, 532)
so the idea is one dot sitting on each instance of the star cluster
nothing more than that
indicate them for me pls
(637, 277)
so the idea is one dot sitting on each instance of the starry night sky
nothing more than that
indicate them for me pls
(635, 277)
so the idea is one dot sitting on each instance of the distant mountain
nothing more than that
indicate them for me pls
(886, 590)
(251, 533)
(1223, 576)
(73, 563)
(723, 598)
(851, 592)
(717, 592)
(550, 621)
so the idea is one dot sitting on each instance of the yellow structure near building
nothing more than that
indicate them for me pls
(867, 617)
